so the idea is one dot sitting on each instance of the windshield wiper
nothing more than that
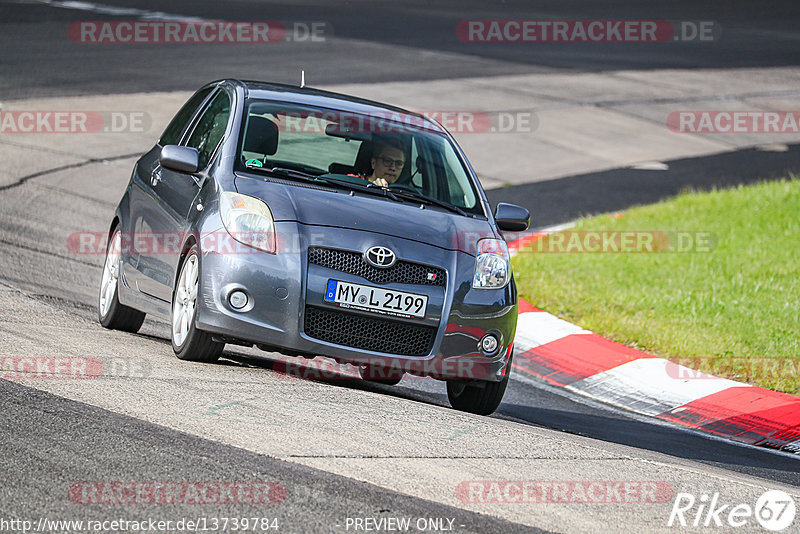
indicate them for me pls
(376, 188)
(368, 188)
(430, 200)
(291, 173)
(284, 172)
(308, 177)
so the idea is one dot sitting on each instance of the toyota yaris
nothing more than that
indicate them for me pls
(317, 224)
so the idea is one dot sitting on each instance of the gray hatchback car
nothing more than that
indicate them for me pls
(317, 224)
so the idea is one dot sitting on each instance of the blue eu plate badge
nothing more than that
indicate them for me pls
(330, 294)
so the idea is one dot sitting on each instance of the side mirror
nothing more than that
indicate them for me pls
(512, 218)
(179, 158)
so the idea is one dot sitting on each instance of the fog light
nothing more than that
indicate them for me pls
(238, 299)
(489, 343)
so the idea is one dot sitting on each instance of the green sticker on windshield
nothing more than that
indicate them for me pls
(253, 163)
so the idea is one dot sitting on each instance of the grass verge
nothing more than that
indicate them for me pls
(720, 292)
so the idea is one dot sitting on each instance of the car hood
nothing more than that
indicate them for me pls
(313, 205)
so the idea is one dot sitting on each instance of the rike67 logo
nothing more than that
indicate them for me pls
(774, 511)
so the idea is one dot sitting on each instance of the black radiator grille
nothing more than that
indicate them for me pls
(367, 333)
(402, 272)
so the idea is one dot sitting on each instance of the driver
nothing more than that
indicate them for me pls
(388, 160)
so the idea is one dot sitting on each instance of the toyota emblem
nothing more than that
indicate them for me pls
(380, 257)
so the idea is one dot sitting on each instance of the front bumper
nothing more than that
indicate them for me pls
(286, 292)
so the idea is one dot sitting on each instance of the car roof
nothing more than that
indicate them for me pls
(330, 100)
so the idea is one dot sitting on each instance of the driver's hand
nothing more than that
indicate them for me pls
(381, 182)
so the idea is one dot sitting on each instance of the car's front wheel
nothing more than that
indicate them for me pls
(481, 398)
(110, 312)
(188, 342)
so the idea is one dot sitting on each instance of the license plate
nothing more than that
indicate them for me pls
(376, 299)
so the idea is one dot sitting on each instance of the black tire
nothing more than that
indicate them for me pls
(197, 346)
(478, 398)
(117, 316)
(380, 375)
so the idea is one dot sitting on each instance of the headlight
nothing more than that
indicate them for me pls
(492, 265)
(248, 220)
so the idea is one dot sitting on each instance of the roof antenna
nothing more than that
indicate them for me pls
(302, 79)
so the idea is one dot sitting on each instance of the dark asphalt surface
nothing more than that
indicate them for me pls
(49, 442)
(373, 41)
(551, 407)
(566, 199)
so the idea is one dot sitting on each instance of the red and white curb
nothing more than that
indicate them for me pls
(586, 363)
(568, 356)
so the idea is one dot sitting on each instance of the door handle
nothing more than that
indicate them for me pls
(155, 177)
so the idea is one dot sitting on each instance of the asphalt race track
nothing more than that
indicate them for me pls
(336, 449)
(376, 41)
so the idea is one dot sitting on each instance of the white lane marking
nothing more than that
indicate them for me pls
(103, 9)
(774, 147)
(651, 386)
(538, 328)
(650, 166)
(556, 227)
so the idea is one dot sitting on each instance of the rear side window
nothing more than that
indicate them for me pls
(211, 127)
(172, 135)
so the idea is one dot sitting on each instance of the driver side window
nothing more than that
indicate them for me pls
(172, 135)
(210, 128)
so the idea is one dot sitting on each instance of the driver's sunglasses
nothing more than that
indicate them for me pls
(389, 162)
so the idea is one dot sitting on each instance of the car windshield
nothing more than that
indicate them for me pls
(345, 146)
